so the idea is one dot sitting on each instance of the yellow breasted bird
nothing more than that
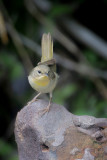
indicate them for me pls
(43, 78)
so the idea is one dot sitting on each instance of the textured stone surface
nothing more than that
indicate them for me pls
(59, 135)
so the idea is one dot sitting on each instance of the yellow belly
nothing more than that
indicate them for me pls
(42, 84)
(41, 81)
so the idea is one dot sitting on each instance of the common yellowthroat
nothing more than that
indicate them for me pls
(43, 78)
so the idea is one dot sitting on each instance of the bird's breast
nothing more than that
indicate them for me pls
(42, 84)
(41, 81)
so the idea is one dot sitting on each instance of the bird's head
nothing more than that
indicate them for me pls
(40, 75)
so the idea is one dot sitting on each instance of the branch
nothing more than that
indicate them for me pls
(86, 37)
(16, 39)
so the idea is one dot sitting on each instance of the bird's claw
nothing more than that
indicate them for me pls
(43, 111)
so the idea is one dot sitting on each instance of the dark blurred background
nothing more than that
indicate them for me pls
(79, 32)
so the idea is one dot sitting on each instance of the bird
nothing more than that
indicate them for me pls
(43, 78)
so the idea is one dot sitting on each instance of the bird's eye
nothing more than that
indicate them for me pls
(39, 72)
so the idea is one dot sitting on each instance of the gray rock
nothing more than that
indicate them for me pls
(54, 135)
(87, 155)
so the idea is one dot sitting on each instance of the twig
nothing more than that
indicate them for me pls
(16, 40)
(86, 37)
(19, 45)
(3, 32)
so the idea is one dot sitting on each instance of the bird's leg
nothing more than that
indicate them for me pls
(34, 99)
(50, 100)
(48, 107)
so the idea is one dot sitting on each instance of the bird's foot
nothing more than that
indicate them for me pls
(46, 110)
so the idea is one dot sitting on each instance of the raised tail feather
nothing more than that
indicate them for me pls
(47, 47)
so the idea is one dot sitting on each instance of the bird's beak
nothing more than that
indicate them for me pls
(46, 74)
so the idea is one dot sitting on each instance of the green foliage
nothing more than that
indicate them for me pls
(11, 65)
(59, 10)
(61, 95)
(91, 56)
(84, 103)
(94, 59)
(7, 151)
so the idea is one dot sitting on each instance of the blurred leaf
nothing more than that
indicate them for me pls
(81, 99)
(91, 56)
(84, 102)
(87, 103)
(5, 148)
(60, 95)
(7, 151)
(60, 9)
(102, 109)
(12, 65)
(13, 158)
(95, 60)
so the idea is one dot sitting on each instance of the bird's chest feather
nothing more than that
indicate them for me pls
(42, 84)
(41, 81)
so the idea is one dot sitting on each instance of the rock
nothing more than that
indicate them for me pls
(87, 155)
(59, 135)
(74, 151)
